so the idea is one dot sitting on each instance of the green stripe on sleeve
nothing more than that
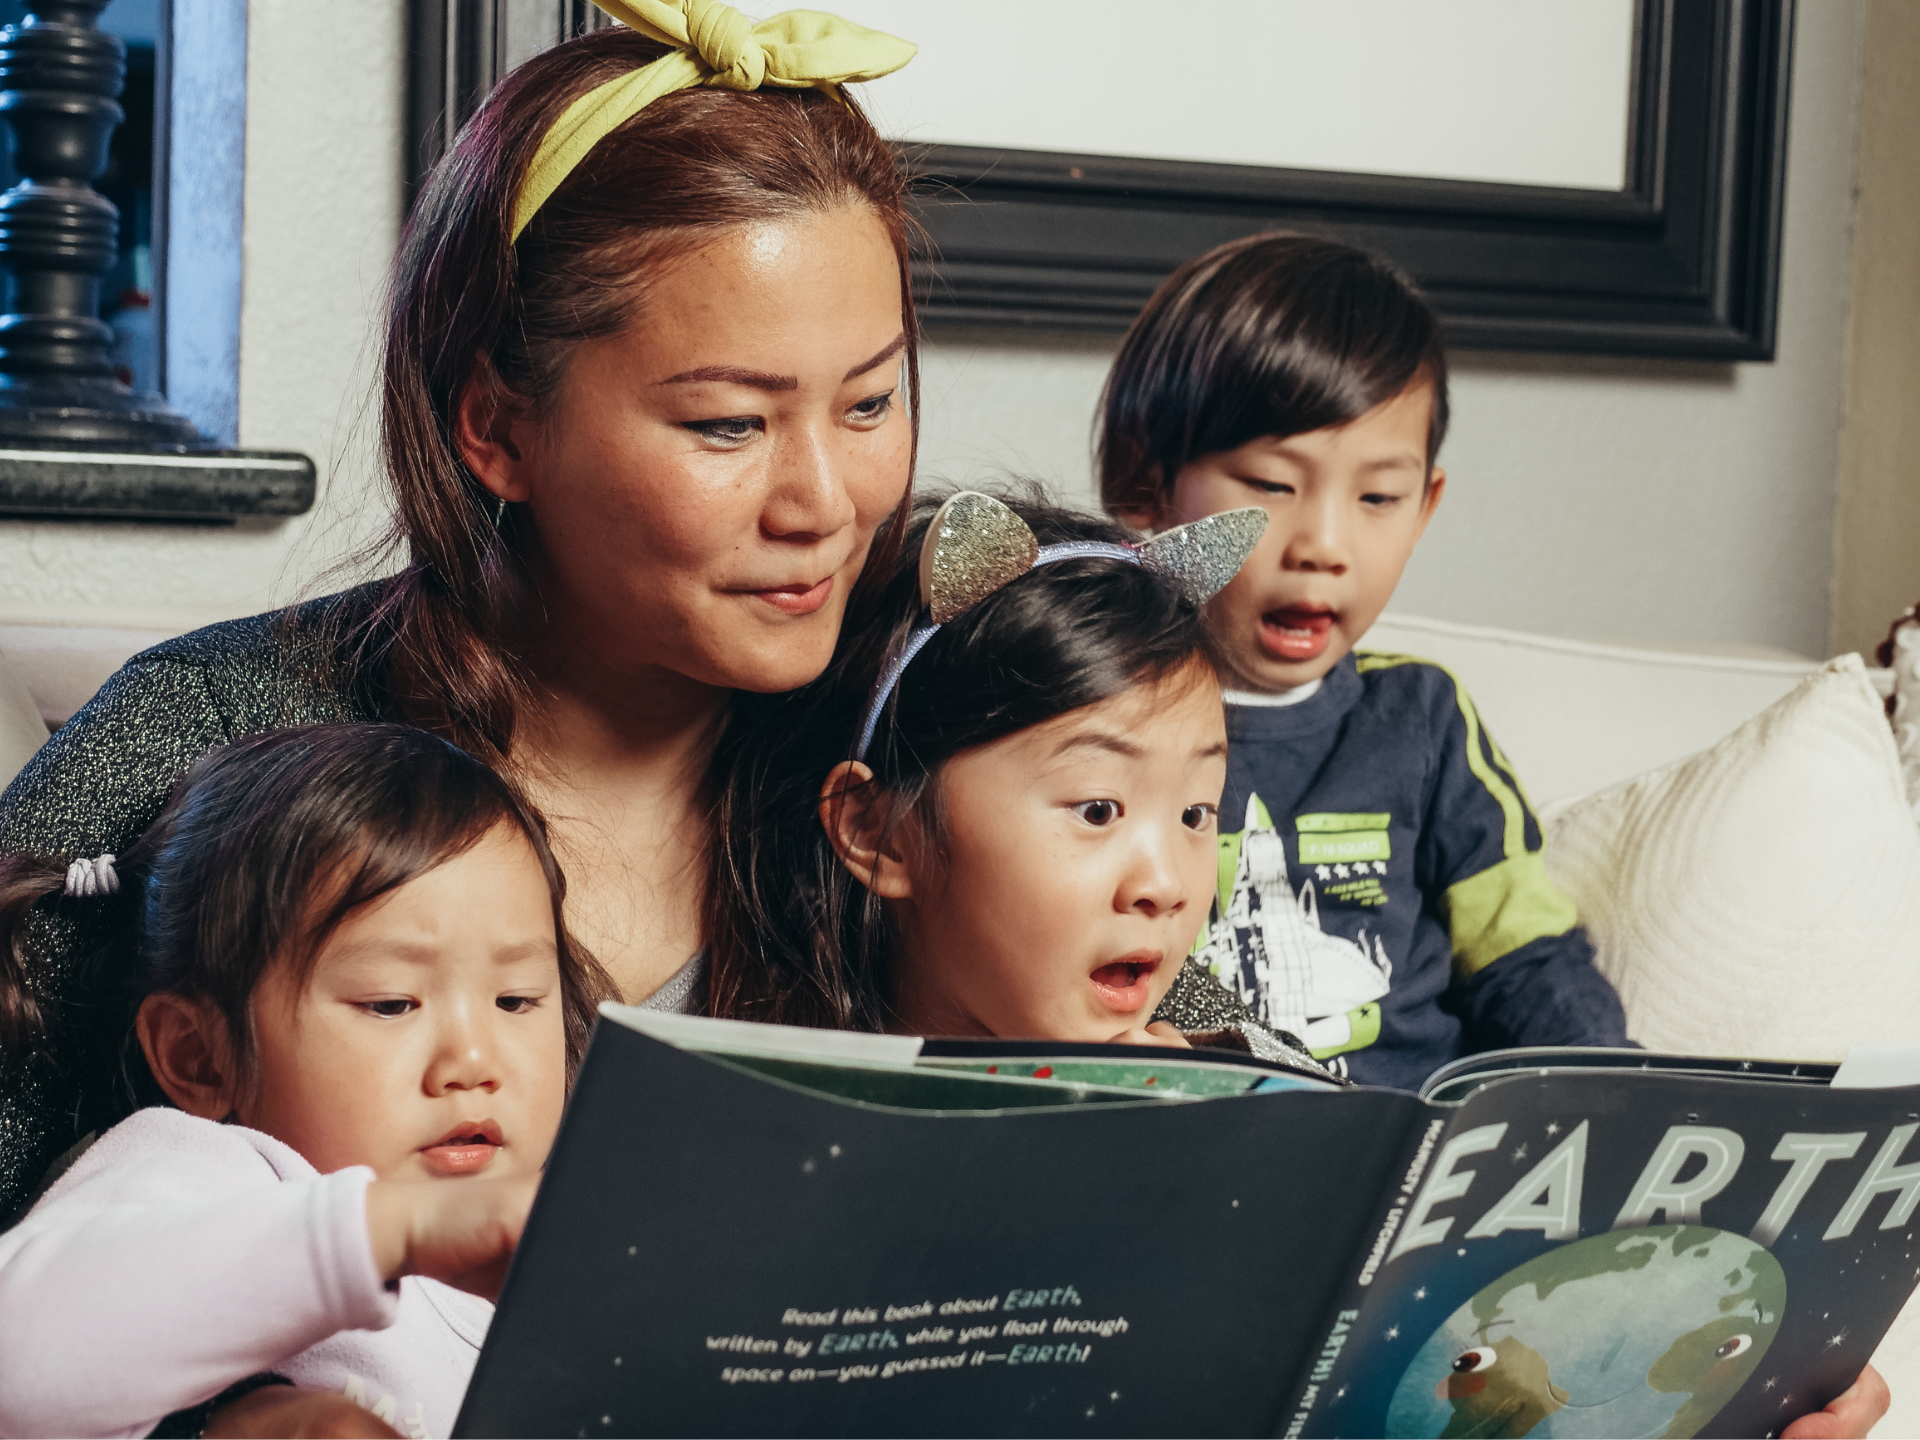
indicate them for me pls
(1514, 841)
(1502, 908)
(1506, 769)
(1512, 808)
(1511, 903)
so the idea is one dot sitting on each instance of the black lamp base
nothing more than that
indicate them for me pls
(60, 413)
(74, 442)
(59, 76)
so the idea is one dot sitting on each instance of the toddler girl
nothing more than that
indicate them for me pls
(1022, 757)
(361, 1002)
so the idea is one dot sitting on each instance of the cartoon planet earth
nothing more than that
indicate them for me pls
(1636, 1332)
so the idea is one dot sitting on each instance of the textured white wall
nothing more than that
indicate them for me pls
(322, 212)
(1395, 87)
(1689, 502)
(1877, 531)
(1675, 501)
(206, 235)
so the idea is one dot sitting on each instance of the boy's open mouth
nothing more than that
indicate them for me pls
(464, 1150)
(1296, 632)
(1124, 985)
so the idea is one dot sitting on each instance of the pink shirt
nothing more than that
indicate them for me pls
(178, 1255)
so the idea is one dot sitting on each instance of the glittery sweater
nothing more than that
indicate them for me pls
(1208, 1014)
(96, 785)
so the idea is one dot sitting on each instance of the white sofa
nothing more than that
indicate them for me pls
(1574, 718)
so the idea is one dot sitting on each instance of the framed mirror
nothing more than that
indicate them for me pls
(1604, 177)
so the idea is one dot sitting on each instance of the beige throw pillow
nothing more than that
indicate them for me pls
(1761, 898)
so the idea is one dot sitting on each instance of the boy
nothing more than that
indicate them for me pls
(1382, 892)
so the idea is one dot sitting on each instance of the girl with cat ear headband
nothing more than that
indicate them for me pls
(996, 813)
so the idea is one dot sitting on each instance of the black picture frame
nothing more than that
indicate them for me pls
(457, 52)
(1683, 262)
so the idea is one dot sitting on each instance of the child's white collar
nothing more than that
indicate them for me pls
(1261, 697)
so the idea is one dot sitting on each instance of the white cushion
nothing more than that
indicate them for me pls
(49, 671)
(1761, 898)
(64, 664)
(1575, 717)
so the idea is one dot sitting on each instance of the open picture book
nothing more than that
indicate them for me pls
(754, 1230)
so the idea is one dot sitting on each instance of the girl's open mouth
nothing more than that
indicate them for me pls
(464, 1150)
(1124, 986)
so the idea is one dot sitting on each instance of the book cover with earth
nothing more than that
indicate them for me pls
(1646, 1255)
(751, 1231)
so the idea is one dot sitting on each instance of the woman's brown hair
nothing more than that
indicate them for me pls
(468, 305)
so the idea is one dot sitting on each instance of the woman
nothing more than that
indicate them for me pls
(642, 432)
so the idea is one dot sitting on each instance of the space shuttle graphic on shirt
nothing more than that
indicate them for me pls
(1266, 945)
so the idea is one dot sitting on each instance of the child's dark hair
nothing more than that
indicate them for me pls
(1274, 334)
(265, 847)
(799, 940)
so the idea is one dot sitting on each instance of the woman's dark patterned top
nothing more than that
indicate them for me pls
(96, 785)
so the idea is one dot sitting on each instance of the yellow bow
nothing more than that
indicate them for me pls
(714, 45)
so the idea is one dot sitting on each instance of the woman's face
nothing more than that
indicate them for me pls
(703, 488)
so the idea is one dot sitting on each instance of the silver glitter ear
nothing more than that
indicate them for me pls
(1202, 557)
(973, 547)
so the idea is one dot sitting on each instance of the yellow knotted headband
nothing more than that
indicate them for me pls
(714, 45)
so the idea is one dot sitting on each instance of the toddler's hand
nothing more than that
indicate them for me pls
(283, 1410)
(1853, 1413)
(1158, 1033)
(458, 1231)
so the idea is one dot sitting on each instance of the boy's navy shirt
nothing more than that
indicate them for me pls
(1381, 887)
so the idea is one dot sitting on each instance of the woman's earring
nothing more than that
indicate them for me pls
(499, 512)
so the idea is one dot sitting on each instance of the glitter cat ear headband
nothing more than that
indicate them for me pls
(976, 545)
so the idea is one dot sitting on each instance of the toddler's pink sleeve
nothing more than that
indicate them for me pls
(118, 1308)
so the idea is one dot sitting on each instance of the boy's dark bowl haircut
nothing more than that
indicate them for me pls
(1274, 334)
